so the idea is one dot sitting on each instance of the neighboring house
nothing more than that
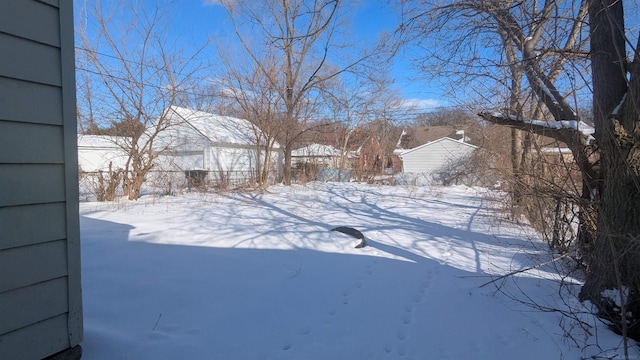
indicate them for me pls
(317, 154)
(217, 144)
(97, 152)
(436, 157)
(40, 294)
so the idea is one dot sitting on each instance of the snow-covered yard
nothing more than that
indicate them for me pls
(260, 276)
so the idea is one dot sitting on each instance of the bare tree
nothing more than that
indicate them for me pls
(247, 92)
(133, 71)
(356, 102)
(297, 37)
(609, 155)
(445, 117)
(616, 99)
(496, 54)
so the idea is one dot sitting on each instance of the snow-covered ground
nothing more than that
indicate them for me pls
(258, 275)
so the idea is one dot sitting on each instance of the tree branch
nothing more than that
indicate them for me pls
(565, 131)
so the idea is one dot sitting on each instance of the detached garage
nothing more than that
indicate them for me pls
(97, 152)
(436, 157)
(215, 144)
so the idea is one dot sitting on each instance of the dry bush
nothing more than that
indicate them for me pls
(103, 185)
(305, 172)
(167, 182)
(546, 190)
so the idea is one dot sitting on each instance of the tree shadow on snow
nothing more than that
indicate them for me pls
(143, 298)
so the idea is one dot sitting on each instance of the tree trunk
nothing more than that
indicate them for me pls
(614, 263)
(516, 158)
(286, 169)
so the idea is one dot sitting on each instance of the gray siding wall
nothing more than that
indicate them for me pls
(435, 156)
(40, 296)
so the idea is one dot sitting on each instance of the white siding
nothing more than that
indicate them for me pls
(202, 141)
(435, 156)
(231, 159)
(40, 297)
(96, 153)
(179, 161)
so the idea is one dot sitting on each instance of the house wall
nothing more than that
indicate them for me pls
(180, 161)
(40, 298)
(95, 153)
(235, 161)
(435, 156)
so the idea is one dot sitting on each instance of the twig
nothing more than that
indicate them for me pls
(157, 321)
(526, 269)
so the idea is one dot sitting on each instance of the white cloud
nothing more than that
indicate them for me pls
(420, 104)
(219, 2)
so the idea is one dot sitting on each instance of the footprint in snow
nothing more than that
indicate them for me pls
(408, 308)
(402, 350)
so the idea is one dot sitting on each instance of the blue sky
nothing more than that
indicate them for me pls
(197, 19)
(193, 21)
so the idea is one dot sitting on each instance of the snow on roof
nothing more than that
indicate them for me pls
(101, 141)
(316, 150)
(217, 128)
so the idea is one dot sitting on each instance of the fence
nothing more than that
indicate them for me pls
(416, 179)
(108, 185)
(337, 175)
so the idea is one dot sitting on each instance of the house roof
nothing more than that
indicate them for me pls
(216, 128)
(426, 134)
(431, 143)
(316, 150)
(101, 141)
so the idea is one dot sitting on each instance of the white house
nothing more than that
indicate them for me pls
(436, 156)
(97, 152)
(317, 154)
(217, 144)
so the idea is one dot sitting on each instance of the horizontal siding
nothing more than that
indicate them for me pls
(30, 143)
(31, 184)
(436, 156)
(27, 60)
(36, 341)
(19, 98)
(40, 298)
(29, 305)
(24, 225)
(32, 264)
(55, 3)
(30, 19)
